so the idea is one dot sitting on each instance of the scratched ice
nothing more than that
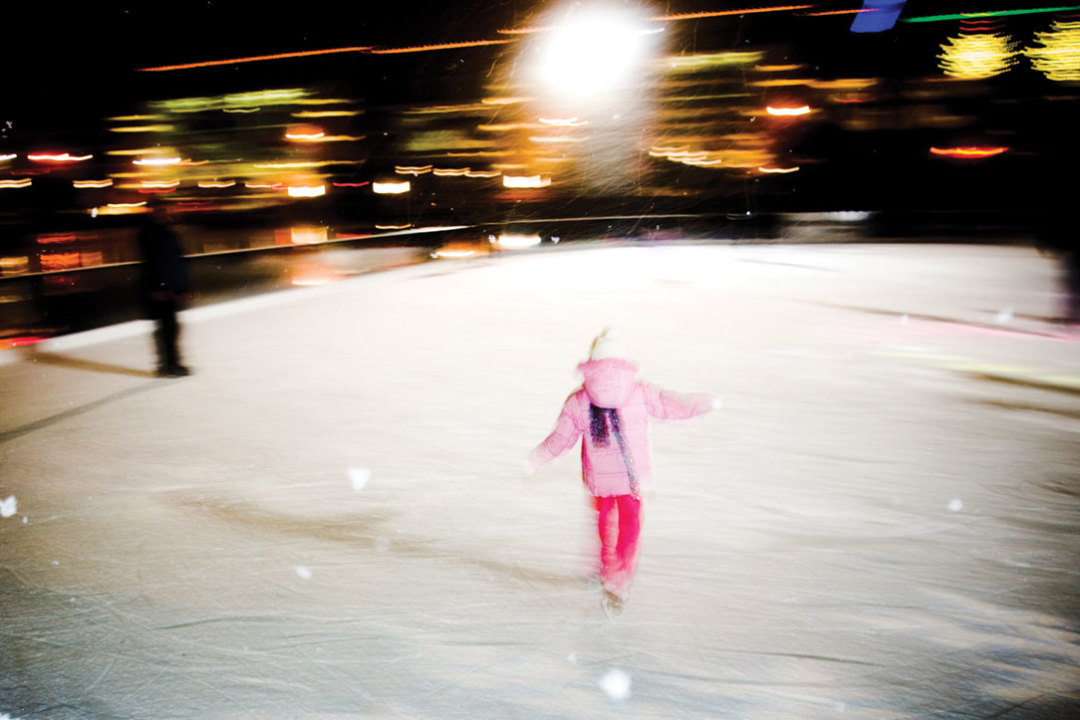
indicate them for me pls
(880, 522)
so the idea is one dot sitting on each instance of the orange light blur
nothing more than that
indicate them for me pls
(253, 58)
(92, 183)
(969, 152)
(526, 181)
(442, 46)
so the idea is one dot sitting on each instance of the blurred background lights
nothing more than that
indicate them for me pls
(978, 56)
(592, 51)
(1059, 55)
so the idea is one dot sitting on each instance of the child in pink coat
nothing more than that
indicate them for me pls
(611, 413)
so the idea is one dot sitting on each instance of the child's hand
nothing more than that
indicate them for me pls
(717, 403)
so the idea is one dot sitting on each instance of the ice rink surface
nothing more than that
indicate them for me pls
(329, 519)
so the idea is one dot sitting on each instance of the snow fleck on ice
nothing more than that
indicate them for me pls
(616, 683)
(303, 572)
(1005, 316)
(359, 477)
(956, 505)
(571, 658)
(7, 509)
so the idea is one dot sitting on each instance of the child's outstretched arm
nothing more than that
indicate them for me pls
(668, 405)
(565, 435)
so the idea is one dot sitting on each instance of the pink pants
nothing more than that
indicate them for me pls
(620, 526)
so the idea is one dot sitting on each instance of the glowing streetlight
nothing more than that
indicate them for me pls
(590, 52)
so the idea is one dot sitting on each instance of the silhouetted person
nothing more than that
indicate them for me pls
(164, 287)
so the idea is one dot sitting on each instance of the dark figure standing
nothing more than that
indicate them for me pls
(164, 288)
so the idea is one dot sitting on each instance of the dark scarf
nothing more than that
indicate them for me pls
(599, 421)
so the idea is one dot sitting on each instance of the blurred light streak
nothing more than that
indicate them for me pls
(304, 136)
(782, 171)
(441, 46)
(526, 181)
(83, 184)
(391, 188)
(208, 184)
(352, 185)
(822, 13)
(1059, 57)
(56, 238)
(969, 152)
(156, 191)
(242, 110)
(453, 253)
(788, 111)
(306, 191)
(143, 128)
(158, 161)
(483, 173)
(977, 56)
(504, 100)
(990, 13)
(554, 139)
(160, 183)
(563, 122)
(286, 165)
(450, 172)
(406, 226)
(21, 183)
(254, 58)
(14, 265)
(57, 158)
(326, 113)
(692, 63)
(413, 170)
(11, 156)
(517, 241)
(779, 68)
(302, 236)
(721, 13)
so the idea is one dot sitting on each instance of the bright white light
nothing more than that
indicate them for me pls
(515, 241)
(592, 51)
(390, 188)
(306, 190)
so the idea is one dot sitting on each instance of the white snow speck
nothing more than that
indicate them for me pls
(956, 505)
(7, 506)
(572, 658)
(904, 320)
(303, 573)
(359, 477)
(1005, 316)
(616, 683)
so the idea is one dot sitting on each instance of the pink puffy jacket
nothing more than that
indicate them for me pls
(612, 384)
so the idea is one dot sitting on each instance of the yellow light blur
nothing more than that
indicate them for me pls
(307, 235)
(1059, 57)
(693, 63)
(564, 122)
(217, 183)
(143, 128)
(450, 172)
(391, 188)
(406, 226)
(92, 183)
(305, 136)
(413, 169)
(526, 181)
(483, 173)
(158, 161)
(782, 171)
(159, 184)
(306, 191)
(504, 100)
(977, 56)
(21, 183)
